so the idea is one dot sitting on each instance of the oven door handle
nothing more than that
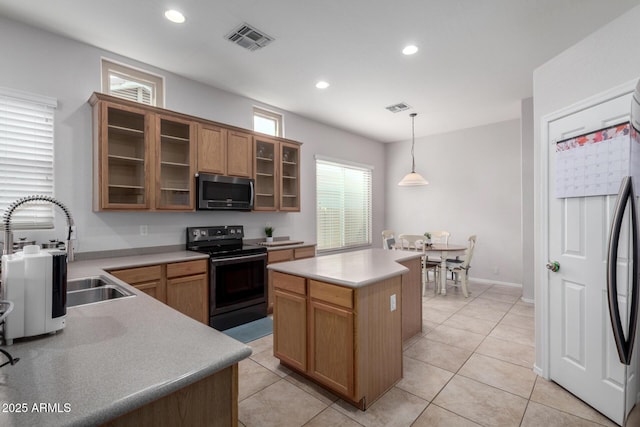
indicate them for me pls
(239, 258)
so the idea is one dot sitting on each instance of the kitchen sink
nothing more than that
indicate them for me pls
(91, 290)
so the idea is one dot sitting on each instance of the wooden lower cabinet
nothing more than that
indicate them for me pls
(189, 295)
(282, 255)
(290, 329)
(350, 339)
(331, 340)
(212, 401)
(412, 299)
(149, 280)
(183, 286)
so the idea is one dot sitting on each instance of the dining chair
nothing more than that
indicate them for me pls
(410, 241)
(433, 262)
(440, 237)
(461, 267)
(388, 240)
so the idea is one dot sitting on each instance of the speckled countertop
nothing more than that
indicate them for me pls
(111, 357)
(352, 269)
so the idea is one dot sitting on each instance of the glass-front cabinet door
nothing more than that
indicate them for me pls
(289, 182)
(265, 167)
(277, 170)
(175, 155)
(124, 161)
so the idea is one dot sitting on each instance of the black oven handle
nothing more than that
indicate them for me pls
(239, 258)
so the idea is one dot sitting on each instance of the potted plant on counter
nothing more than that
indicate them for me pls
(268, 231)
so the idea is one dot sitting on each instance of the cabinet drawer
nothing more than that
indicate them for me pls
(289, 283)
(307, 252)
(332, 294)
(279, 256)
(186, 268)
(139, 275)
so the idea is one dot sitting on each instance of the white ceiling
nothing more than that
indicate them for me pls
(474, 66)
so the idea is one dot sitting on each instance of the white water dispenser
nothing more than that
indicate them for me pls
(36, 282)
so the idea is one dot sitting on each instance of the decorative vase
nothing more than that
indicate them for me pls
(269, 239)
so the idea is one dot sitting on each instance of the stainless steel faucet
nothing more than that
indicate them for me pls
(8, 234)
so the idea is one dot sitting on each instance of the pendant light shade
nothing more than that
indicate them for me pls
(413, 179)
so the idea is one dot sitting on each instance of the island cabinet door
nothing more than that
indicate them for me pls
(290, 329)
(331, 348)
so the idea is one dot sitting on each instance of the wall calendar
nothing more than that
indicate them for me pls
(595, 163)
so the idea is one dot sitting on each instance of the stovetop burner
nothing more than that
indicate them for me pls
(220, 241)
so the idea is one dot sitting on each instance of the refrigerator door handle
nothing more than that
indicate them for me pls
(624, 345)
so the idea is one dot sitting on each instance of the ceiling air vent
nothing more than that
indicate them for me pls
(249, 37)
(398, 107)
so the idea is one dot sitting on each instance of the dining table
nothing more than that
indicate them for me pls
(444, 251)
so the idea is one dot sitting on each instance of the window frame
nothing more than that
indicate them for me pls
(269, 115)
(33, 166)
(156, 81)
(368, 204)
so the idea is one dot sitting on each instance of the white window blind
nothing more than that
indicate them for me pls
(343, 194)
(26, 156)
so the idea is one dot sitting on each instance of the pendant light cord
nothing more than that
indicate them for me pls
(413, 141)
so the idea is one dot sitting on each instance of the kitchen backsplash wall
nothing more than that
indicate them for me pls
(39, 62)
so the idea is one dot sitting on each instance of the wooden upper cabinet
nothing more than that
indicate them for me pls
(143, 158)
(175, 157)
(146, 158)
(212, 149)
(289, 177)
(265, 167)
(224, 151)
(277, 171)
(239, 154)
(122, 140)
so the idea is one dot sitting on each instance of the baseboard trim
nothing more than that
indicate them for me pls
(495, 282)
(537, 370)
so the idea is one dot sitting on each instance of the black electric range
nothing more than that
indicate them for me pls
(237, 274)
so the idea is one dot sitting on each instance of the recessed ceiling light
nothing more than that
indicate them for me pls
(322, 85)
(174, 16)
(410, 50)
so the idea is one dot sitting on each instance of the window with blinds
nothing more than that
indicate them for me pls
(132, 84)
(343, 192)
(26, 156)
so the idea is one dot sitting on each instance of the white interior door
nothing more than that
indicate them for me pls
(583, 356)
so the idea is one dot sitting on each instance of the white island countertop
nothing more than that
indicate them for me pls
(352, 269)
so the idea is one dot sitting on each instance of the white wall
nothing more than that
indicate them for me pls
(608, 58)
(42, 63)
(474, 188)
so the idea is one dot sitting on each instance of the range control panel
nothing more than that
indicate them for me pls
(218, 232)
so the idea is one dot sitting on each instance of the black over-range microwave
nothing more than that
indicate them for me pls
(217, 192)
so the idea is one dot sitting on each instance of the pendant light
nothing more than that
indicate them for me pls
(413, 179)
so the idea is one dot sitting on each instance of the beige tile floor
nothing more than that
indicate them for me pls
(471, 366)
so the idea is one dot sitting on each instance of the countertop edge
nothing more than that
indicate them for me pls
(349, 283)
(284, 247)
(143, 397)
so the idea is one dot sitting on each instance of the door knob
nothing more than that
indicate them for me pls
(553, 266)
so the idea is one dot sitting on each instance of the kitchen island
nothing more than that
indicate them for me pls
(127, 361)
(338, 319)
